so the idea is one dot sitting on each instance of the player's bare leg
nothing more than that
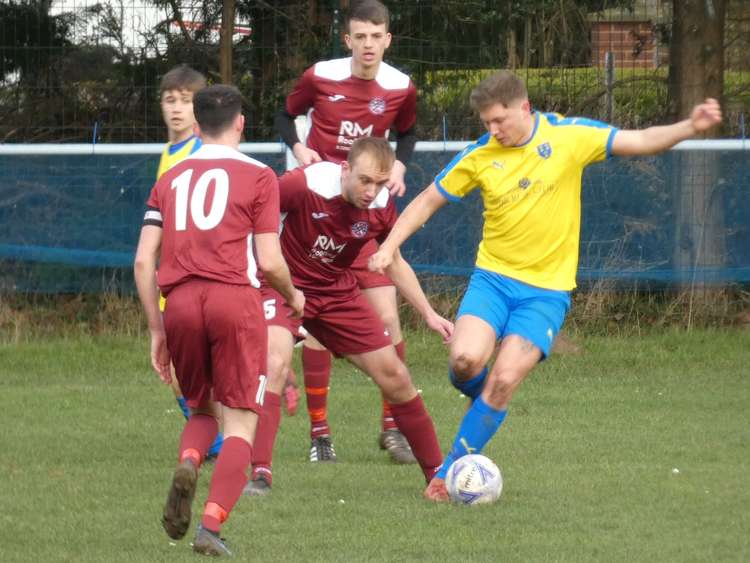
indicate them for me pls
(291, 393)
(280, 350)
(384, 301)
(412, 419)
(197, 435)
(228, 479)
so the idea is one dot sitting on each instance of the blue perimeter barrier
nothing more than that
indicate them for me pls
(70, 215)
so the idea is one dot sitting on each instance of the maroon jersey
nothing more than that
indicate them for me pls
(209, 206)
(322, 232)
(345, 107)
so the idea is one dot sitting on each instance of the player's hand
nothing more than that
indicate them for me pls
(440, 325)
(395, 183)
(305, 155)
(380, 261)
(297, 304)
(706, 115)
(160, 356)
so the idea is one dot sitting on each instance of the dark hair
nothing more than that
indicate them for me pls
(377, 147)
(182, 77)
(502, 87)
(216, 107)
(368, 11)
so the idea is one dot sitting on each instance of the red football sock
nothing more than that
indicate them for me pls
(227, 482)
(416, 426)
(265, 435)
(197, 436)
(316, 365)
(387, 418)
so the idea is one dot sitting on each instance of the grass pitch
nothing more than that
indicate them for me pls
(636, 450)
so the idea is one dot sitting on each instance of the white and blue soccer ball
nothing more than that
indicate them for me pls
(474, 479)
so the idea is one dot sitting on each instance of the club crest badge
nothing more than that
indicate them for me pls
(377, 106)
(524, 183)
(544, 150)
(360, 228)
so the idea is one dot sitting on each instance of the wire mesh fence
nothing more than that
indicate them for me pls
(80, 70)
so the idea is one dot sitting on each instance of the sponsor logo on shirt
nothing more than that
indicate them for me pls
(350, 131)
(337, 97)
(321, 215)
(544, 150)
(326, 249)
(377, 106)
(360, 228)
(498, 165)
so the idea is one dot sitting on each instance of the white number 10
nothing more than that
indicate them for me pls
(181, 184)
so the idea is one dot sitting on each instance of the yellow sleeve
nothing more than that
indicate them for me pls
(459, 178)
(593, 140)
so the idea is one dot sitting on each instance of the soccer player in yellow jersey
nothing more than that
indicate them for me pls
(176, 91)
(528, 167)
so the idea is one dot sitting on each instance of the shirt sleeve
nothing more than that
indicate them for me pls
(459, 178)
(407, 113)
(302, 96)
(292, 189)
(266, 204)
(593, 139)
(153, 210)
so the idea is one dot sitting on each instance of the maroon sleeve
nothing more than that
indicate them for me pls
(407, 113)
(266, 203)
(292, 189)
(302, 96)
(153, 201)
(389, 219)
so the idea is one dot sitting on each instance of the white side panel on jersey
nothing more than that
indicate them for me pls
(335, 69)
(391, 78)
(324, 178)
(252, 265)
(382, 200)
(214, 152)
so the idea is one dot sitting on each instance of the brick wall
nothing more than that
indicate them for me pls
(634, 44)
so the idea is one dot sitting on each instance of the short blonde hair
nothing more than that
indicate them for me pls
(378, 148)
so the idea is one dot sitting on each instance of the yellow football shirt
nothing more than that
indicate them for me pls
(171, 155)
(174, 153)
(532, 197)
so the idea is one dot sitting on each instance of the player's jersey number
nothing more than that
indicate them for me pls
(269, 309)
(197, 200)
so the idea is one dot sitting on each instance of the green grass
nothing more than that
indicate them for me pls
(587, 453)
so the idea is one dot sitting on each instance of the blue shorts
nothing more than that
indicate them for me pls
(513, 307)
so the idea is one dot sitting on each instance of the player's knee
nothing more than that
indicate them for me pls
(277, 367)
(465, 364)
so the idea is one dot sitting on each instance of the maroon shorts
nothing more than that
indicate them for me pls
(346, 325)
(365, 278)
(218, 341)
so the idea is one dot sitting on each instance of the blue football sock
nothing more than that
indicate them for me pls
(479, 425)
(470, 387)
(216, 446)
(183, 407)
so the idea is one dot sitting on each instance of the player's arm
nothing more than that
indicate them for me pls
(405, 143)
(403, 276)
(144, 270)
(660, 138)
(276, 271)
(416, 214)
(284, 123)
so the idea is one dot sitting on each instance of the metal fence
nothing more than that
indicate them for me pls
(82, 70)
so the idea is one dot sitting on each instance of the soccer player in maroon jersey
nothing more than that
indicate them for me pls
(346, 99)
(208, 218)
(332, 211)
